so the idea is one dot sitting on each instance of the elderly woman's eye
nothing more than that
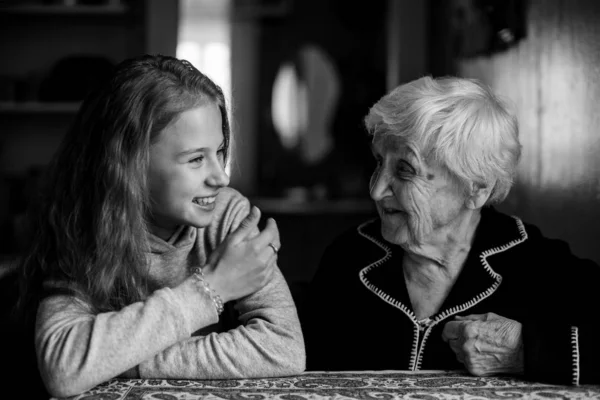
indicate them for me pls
(405, 168)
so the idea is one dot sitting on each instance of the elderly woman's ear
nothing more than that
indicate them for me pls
(478, 196)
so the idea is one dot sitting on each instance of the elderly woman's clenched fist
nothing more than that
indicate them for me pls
(487, 344)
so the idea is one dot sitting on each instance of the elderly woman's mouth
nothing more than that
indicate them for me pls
(392, 211)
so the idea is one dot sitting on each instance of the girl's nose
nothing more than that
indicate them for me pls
(218, 177)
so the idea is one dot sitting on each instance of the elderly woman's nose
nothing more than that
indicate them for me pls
(380, 185)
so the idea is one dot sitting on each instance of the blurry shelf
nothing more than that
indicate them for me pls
(38, 108)
(284, 206)
(32, 9)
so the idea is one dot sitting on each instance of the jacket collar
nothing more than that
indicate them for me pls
(495, 234)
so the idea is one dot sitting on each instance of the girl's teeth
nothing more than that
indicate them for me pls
(204, 201)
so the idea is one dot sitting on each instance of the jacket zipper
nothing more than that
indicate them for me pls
(423, 326)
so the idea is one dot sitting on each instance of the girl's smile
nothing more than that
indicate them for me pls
(187, 170)
(207, 203)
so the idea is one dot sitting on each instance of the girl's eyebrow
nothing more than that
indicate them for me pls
(192, 151)
(199, 149)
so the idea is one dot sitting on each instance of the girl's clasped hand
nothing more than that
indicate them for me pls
(244, 261)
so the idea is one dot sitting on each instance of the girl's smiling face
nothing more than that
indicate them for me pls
(186, 171)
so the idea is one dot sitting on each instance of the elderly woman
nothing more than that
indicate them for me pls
(442, 280)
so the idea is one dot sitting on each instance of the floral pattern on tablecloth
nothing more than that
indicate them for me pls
(385, 385)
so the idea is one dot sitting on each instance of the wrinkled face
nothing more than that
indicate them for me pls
(415, 201)
(187, 170)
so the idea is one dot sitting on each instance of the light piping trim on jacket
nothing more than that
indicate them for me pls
(454, 310)
(481, 296)
(385, 297)
(575, 343)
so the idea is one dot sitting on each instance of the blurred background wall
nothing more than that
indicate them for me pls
(299, 76)
(552, 78)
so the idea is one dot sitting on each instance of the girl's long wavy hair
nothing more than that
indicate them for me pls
(88, 227)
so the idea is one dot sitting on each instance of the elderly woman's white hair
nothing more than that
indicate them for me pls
(457, 123)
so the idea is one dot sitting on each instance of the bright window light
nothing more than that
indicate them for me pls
(190, 51)
(204, 40)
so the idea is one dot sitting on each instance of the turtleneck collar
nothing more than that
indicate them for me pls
(184, 236)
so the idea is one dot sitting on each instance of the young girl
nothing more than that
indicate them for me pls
(142, 262)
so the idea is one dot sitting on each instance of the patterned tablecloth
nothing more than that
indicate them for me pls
(380, 385)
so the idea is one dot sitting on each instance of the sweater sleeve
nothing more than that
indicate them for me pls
(563, 348)
(268, 342)
(76, 349)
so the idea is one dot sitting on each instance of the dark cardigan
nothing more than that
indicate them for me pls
(358, 315)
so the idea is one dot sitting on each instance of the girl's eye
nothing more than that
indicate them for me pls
(197, 160)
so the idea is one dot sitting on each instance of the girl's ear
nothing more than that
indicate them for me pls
(478, 195)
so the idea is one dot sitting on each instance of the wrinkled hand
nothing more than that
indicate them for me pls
(244, 261)
(487, 344)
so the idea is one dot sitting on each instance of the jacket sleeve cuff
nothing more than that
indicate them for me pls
(551, 353)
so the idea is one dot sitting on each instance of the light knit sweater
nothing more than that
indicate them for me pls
(167, 334)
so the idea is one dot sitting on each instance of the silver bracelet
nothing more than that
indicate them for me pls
(214, 296)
